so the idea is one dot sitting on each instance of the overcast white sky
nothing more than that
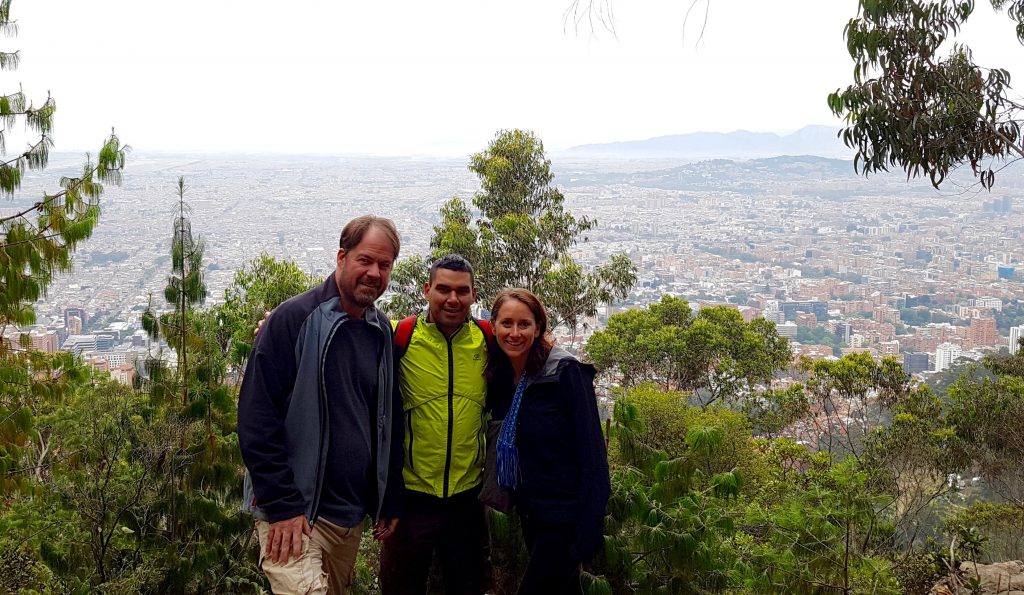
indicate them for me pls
(400, 77)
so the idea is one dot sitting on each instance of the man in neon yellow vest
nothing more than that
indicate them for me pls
(443, 354)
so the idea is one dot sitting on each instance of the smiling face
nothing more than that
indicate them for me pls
(449, 296)
(516, 330)
(363, 271)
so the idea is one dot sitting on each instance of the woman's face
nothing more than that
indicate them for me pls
(516, 330)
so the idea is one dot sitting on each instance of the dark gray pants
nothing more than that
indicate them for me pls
(455, 528)
(551, 571)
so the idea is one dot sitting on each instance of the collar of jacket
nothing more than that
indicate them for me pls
(327, 294)
(557, 359)
(425, 317)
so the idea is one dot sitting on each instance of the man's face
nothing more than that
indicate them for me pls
(363, 271)
(449, 297)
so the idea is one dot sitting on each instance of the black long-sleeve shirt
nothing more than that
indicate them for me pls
(350, 376)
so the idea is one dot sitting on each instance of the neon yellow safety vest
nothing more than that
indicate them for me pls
(443, 397)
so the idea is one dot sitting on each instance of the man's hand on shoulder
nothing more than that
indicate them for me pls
(259, 325)
(284, 539)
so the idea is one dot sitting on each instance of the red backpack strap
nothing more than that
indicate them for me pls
(403, 334)
(486, 328)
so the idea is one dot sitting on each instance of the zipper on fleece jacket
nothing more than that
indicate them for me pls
(451, 413)
(322, 390)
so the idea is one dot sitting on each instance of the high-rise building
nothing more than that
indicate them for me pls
(787, 329)
(78, 343)
(105, 341)
(988, 302)
(124, 373)
(915, 363)
(982, 332)
(806, 319)
(45, 341)
(123, 355)
(885, 314)
(844, 331)
(141, 339)
(819, 309)
(997, 205)
(945, 355)
(76, 312)
(1015, 334)
(100, 364)
(776, 316)
(74, 325)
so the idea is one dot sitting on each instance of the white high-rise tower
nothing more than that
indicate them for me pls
(1015, 334)
(945, 355)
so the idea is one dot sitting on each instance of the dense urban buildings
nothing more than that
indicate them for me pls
(839, 263)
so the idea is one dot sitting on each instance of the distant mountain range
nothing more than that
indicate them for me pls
(810, 140)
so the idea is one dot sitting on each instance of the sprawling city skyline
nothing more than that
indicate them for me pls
(839, 262)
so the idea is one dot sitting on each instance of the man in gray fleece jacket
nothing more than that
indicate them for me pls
(319, 420)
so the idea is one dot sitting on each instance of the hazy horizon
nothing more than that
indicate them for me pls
(550, 150)
(411, 79)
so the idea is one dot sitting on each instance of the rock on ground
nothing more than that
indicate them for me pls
(1002, 578)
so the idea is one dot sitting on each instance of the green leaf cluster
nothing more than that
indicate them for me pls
(725, 512)
(914, 108)
(257, 288)
(120, 490)
(715, 354)
(408, 277)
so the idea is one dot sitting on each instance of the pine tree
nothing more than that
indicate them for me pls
(37, 242)
(207, 541)
(185, 286)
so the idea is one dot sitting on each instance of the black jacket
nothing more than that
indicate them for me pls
(282, 410)
(562, 455)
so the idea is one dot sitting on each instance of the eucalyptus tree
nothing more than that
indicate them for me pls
(572, 293)
(257, 288)
(919, 101)
(517, 232)
(406, 287)
(715, 355)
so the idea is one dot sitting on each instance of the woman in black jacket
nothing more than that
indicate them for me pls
(551, 452)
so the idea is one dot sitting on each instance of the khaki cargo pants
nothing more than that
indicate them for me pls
(326, 565)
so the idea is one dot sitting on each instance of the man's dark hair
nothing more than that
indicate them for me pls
(452, 262)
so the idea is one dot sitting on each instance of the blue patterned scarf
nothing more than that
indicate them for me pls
(508, 454)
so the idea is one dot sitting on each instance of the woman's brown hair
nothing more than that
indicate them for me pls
(498, 363)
